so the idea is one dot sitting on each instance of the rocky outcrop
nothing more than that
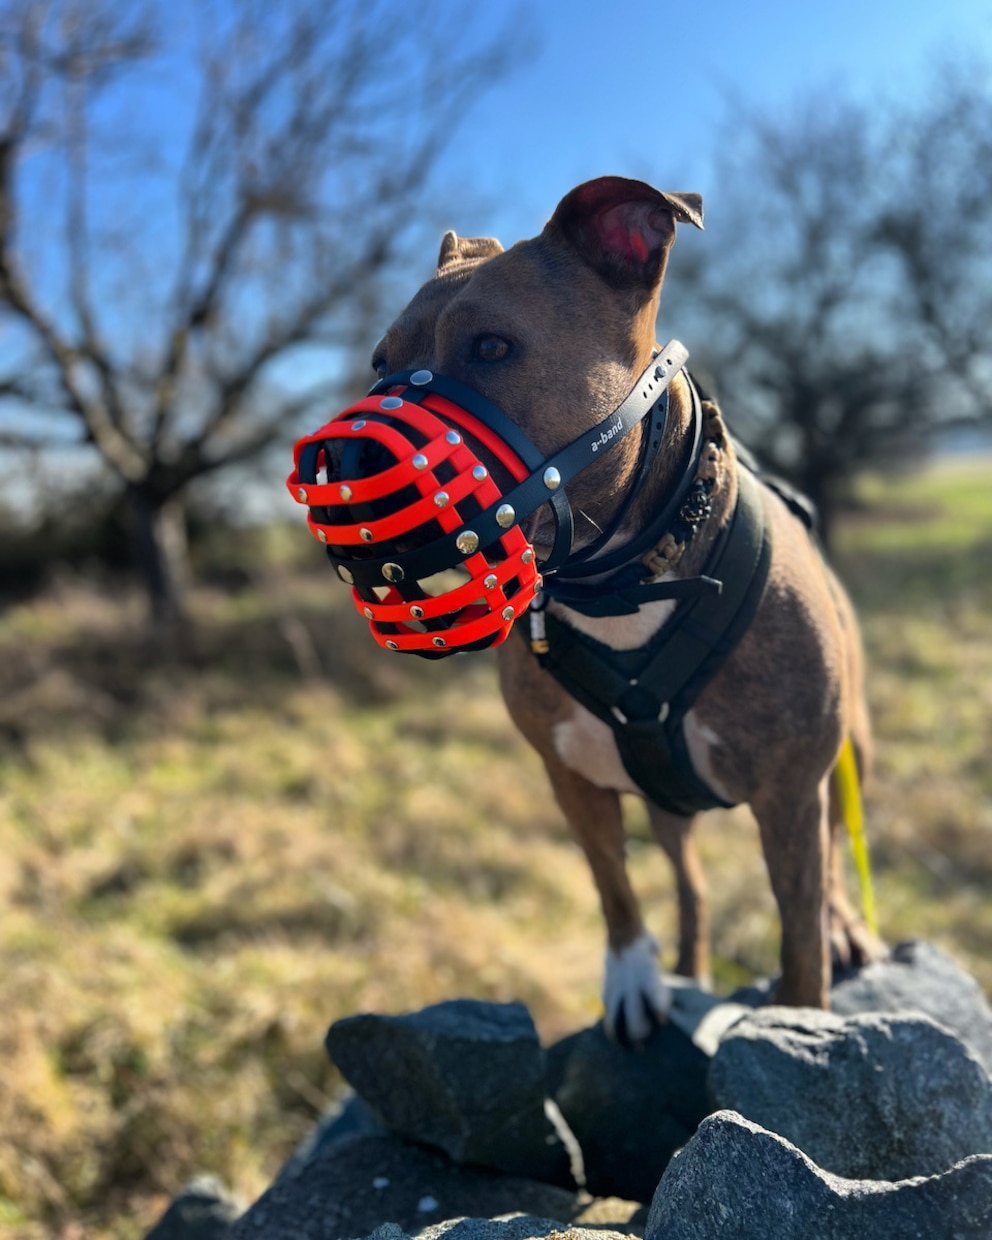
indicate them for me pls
(737, 1181)
(835, 1125)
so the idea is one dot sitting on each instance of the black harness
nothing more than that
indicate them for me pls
(644, 694)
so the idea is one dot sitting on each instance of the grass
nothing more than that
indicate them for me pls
(207, 857)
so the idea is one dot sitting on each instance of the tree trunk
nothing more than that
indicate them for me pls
(161, 556)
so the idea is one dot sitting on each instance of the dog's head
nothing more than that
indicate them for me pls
(551, 335)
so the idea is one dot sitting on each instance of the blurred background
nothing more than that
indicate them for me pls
(226, 818)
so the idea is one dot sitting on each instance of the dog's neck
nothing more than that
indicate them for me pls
(717, 464)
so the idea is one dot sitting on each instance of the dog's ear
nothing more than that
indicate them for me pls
(624, 229)
(455, 249)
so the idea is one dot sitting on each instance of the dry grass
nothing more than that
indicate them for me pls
(206, 858)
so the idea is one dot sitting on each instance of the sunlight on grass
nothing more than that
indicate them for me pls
(206, 859)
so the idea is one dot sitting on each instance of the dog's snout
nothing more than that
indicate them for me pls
(347, 460)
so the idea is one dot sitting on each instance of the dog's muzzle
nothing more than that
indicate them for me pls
(398, 491)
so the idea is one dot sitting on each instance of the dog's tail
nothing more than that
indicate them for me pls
(848, 790)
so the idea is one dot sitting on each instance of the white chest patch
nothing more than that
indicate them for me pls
(586, 744)
(620, 632)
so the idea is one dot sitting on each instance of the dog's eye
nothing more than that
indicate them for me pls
(491, 348)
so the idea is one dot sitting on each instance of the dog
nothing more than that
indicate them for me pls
(558, 333)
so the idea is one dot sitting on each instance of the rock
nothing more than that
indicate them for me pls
(464, 1076)
(348, 1117)
(204, 1210)
(629, 1109)
(524, 1227)
(867, 1097)
(350, 1188)
(738, 1181)
(920, 977)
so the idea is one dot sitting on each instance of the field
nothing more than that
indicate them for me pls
(207, 857)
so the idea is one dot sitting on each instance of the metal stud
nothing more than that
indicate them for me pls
(345, 492)
(321, 536)
(491, 581)
(417, 612)
(359, 425)
(505, 516)
(391, 646)
(301, 495)
(441, 499)
(419, 461)
(390, 402)
(421, 377)
(393, 572)
(480, 473)
(467, 542)
(453, 438)
(365, 534)
(368, 613)
(345, 574)
(527, 556)
(507, 613)
(552, 478)
(438, 641)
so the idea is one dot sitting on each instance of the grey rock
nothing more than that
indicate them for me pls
(867, 1097)
(629, 1109)
(352, 1187)
(464, 1076)
(348, 1117)
(522, 1227)
(204, 1210)
(738, 1181)
(920, 977)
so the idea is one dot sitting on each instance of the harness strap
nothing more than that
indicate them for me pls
(644, 694)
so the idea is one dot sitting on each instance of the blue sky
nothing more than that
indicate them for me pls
(641, 89)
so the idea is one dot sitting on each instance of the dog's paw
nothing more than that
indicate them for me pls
(634, 996)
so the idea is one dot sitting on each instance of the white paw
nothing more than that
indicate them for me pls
(634, 996)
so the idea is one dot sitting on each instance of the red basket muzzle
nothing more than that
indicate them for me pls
(425, 476)
(393, 486)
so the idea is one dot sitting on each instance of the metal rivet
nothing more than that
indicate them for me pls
(438, 641)
(527, 556)
(345, 575)
(420, 377)
(368, 613)
(345, 492)
(480, 473)
(491, 581)
(419, 461)
(507, 613)
(393, 572)
(391, 646)
(441, 499)
(390, 402)
(453, 438)
(321, 536)
(417, 612)
(538, 582)
(365, 534)
(505, 516)
(552, 478)
(359, 425)
(467, 542)
(301, 495)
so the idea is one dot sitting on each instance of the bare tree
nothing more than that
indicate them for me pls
(938, 223)
(185, 240)
(821, 304)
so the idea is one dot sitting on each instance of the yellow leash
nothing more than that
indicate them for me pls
(849, 792)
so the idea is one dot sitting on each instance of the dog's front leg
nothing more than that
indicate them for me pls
(795, 835)
(635, 998)
(674, 835)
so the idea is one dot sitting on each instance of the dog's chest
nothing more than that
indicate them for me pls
(586, 743)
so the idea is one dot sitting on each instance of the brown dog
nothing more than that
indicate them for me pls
(555, 332)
